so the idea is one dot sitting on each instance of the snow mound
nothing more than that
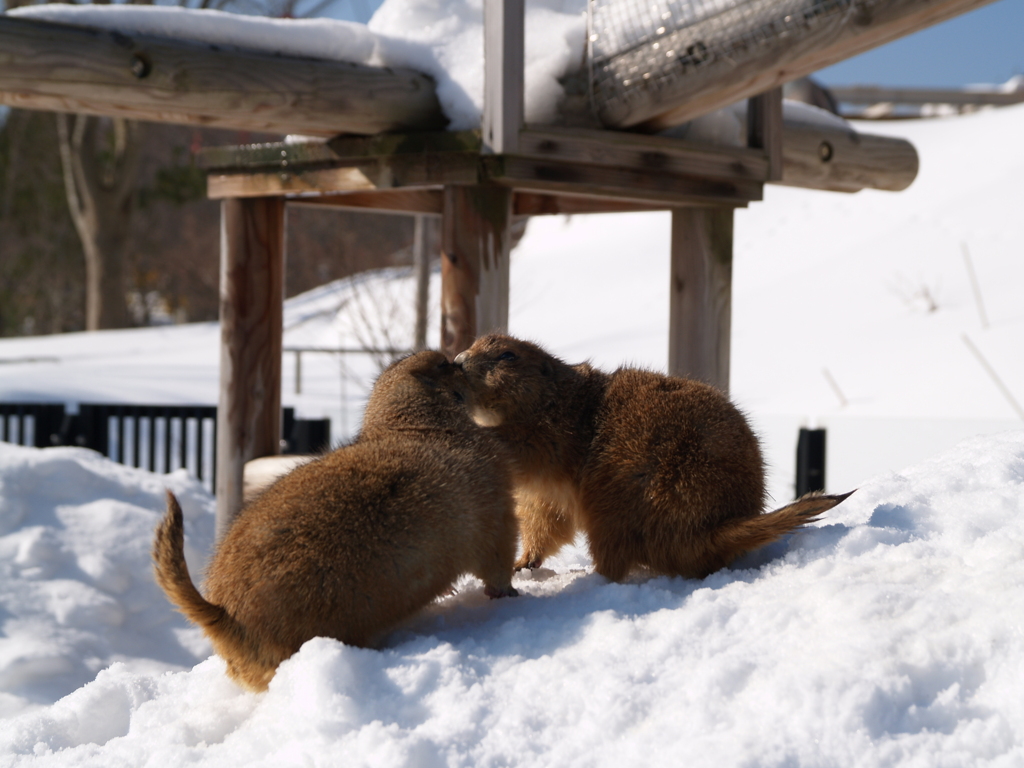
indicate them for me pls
(889, 634)
(76, 590)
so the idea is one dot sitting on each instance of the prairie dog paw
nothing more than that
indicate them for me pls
(496, 592)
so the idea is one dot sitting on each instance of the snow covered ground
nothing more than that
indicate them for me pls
(891, 633)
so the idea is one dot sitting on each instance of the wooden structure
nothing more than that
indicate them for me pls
(477, 182)
(48, 65)
(881, 103)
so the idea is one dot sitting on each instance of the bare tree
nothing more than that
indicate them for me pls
(100, 160)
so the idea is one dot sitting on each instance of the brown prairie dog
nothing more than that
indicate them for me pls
(660, 472)
(352, 543)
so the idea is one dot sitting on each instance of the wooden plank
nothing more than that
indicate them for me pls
(340, 151)
(649, 154)
(873, 94)
(846, 161)
(251, 321)
(751, 69)
(503, 75)
(537, 204)
(423, 202)
(51, 66)
(372, 174)
(620, 183)
(700, 306)
(474, 264)
(421, 254)
(764, 128)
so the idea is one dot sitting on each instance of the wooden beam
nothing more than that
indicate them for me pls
(422, 202)
(764, 128)
(474, 264)
(251, 328)
(649, 154)
(873, 94)
(51, 66)
(700, 306)
(371, 174)
(731, 68)
(618, 183)
(339, 151)
(503, 75)
(843, 160)
(538, 204)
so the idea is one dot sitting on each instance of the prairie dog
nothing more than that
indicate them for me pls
(658, 471)
(354, 542)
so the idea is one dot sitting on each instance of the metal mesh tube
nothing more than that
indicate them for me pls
(646, 55)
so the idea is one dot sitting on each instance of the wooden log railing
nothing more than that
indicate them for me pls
(51, 66)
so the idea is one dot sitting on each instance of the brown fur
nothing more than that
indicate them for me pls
(659, 472)
(351, 544)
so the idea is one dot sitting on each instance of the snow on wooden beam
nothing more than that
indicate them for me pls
(63, 68)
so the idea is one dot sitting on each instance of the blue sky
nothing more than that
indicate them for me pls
(983, 46)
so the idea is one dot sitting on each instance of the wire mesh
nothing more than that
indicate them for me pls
(641, 52)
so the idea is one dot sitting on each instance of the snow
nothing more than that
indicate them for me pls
(444, 40)
(76, 593)
(889, 634)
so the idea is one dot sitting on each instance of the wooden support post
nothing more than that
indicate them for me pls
(764, 128)
(251, 327)
(503, 75)
(474, 264)
(421, 267)
(701, 295)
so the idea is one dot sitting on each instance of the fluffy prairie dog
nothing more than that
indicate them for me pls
(658, 471)
(350, 544)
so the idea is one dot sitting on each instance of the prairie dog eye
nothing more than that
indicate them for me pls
(508, 356)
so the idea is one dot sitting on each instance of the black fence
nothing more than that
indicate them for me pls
(161, 438)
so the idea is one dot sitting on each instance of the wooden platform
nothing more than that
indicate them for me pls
(554, 171)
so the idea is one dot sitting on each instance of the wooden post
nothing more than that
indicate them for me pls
(474, 264)
(503, 75)
(701, 295)
(764, 128)
(421, 267)
(251, 327)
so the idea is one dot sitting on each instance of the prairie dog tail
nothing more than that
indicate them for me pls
(226, 634)
(753, 532)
